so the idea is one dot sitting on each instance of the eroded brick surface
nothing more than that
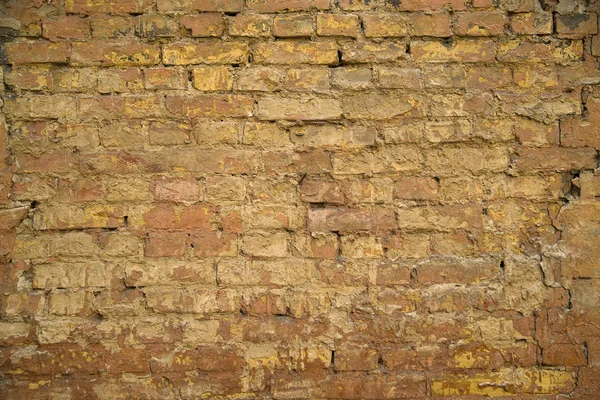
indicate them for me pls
(299, 199)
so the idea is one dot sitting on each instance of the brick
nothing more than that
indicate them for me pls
(264, 135)
(215, 244)
(459, 50)
(333, 136)
(176, 190)
(110, 6)
(29, 78)
(265, 244)
(164, 79)
(213, 78)
(386, 25)
(554, 159)
(355, 358)
(164, 216)
(270, 6)
(37, 52)
(564, 354)
(114, 54)
(532, 23)
(156, 26)
(296, 52)
(203, 25)
(211, 106)
(434, 24)
(369, 106)
(273, 108)
(307, 80)
(166, 244)
(208, 52)
(577, 25)
(530, 51)
(120, 80)
(480, 24)
(317, 191)
(353, 78)
(250, 25)
(68, 27)
(262, 79)
(315, 161)
(398, 78)
(345, 219)
(368, 52)
(293, 26)
(226, 132)
(110, 26)
(356, 5)
(337, 25)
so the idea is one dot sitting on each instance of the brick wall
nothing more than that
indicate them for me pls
(350, 199)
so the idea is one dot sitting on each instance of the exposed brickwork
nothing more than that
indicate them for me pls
(345, 199)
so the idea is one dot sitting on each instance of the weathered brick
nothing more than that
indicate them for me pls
(164, 78)
(386, 25)
(211, 106)
(166, 244)
(208, 52)
(480, 24)
(37, 52)
(110, 6)
(577, 25)
(156, 26)
(110, 26)
(296, 52)
(203, 25)
(272, 108)
(250, 25)
(69, 27)
(337, 25)
(114, 54)
(213, 78)
(322, 199)
(459, 50)
(532, 23)
(293, 26)
(270, 6)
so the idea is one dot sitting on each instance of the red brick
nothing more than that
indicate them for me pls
(554, 159)
(270, 6)
(177, 190)
(250, 25)
(215, 244)
(480, 24)
(228, 6)
(564, 354)
(108, 6)
(577, 25)
(114, 54)
(69, 27)
(293, 25)
(37, 52)
(434, 24)
(207, 52)
(318, 191)
(203, 25)
(354, 357)
(166, 244)
(201, 358)
(197, 216)
(532, 23)
(345, 219)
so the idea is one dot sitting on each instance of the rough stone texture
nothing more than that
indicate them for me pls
(299, 199)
